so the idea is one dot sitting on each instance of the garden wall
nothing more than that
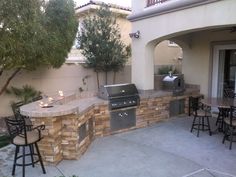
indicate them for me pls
(68, 78)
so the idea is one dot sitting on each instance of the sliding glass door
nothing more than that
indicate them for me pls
(224, 70)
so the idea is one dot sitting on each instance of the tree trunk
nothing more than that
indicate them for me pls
(1, 71)
(9, 80)
(114, 77)
(106, 78)
(97, 79)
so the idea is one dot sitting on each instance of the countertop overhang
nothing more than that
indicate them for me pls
(73, 107)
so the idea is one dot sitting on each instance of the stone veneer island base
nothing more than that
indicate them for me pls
(72, 126)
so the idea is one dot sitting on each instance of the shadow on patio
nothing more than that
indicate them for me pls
(166, 149)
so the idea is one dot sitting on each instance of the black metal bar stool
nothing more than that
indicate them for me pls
(23, 137)
(201, 116)
(230, 124)
(223, 112)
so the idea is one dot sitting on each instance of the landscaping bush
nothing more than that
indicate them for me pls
(4, 140)
(25, 94)
(166, 69)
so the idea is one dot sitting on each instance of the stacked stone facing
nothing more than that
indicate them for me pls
(61, 136)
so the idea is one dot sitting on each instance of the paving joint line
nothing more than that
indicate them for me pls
(220, 172)
(194, 172)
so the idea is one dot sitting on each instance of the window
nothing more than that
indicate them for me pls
(172, 44)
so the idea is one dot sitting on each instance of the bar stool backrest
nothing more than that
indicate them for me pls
(229, 93)
(16, 108)
(232, 115)
(16, 127)
(194, 102)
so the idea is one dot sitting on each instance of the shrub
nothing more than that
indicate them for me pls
(24, 94)
(4, 140)
(166, 69)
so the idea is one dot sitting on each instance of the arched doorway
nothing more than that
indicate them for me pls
(167, 57)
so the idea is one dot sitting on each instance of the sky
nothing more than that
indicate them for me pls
(125, 3)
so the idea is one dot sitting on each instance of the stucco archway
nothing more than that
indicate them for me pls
(171, 25)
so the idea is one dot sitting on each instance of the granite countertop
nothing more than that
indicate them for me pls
(162, 93)
(74, 106)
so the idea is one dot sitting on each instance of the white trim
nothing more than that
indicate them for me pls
(216, 52)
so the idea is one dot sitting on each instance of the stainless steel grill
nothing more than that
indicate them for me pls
(123, 100)
(174, 83)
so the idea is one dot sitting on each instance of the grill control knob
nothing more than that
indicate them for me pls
(120, 114)
(124, 102)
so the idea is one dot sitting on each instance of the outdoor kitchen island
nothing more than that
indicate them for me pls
(72, 124)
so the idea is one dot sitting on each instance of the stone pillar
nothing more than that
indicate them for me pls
(50, 145)
(70, 136)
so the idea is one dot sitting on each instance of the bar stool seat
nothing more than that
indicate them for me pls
(227, 121)
(202, 113)
(32, 137)
(22, 137)
(200, 116)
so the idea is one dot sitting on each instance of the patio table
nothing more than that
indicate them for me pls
(223, 105)
(219, 102)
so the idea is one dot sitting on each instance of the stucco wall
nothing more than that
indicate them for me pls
(154, 29)
(197, 58)
(166, 54)
(68, 78)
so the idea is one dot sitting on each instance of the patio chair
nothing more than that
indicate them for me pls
(229, 93)
(22, 138)
(16, 110)
(190, 107)
(201, 116)
(230, 126)
(224, 112)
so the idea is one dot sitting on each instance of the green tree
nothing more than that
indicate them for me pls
(101, 44)
(34, 34)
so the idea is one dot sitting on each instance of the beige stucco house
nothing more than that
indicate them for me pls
(169, 51)
(72, 77)
(89, 9)
(205, 30)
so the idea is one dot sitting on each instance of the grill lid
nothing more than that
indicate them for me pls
(117, 91)
(170, 78)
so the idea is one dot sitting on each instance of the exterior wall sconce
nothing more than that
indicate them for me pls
(135, 35)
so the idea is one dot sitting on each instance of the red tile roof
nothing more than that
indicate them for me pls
(92, 2)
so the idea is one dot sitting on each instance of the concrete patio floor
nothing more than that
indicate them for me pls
(166, 149)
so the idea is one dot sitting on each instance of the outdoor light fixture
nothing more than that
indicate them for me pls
(135, 35)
